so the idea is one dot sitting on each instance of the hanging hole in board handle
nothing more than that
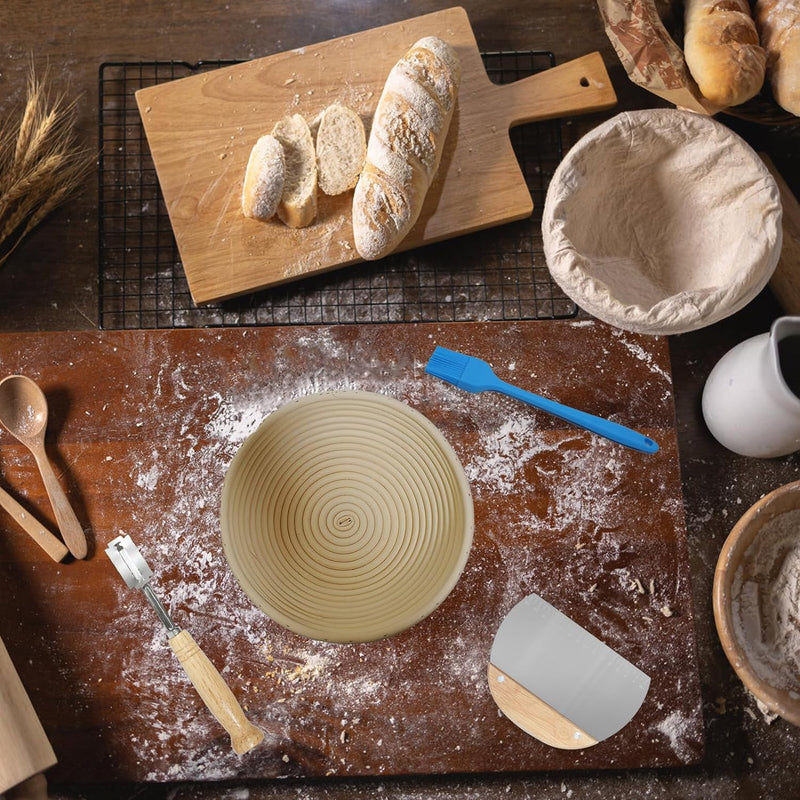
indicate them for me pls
(584, 81)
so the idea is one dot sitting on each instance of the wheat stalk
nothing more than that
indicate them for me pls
(40, 163)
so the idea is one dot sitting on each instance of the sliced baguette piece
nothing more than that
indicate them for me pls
(298, 204)
(263, 179)
(341, 148)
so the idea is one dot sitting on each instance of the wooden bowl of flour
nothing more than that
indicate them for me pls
(662, 221)
(756, 599)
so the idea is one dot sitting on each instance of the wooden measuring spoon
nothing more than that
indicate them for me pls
(23, 411)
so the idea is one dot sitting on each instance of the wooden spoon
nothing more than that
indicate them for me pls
(23, 411)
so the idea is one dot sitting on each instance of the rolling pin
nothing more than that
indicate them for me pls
(25, 752)
(785, 281)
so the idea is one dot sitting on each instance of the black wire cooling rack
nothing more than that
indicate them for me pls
(498, 274)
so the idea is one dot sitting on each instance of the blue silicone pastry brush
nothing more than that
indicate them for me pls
(475, 375)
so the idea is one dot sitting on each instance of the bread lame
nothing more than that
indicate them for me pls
(210, 685)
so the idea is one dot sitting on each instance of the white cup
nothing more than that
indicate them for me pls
(751, 400)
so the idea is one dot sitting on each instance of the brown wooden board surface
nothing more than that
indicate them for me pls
(142, 428)
(201, 129)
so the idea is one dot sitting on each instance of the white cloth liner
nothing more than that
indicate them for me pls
(662, 221)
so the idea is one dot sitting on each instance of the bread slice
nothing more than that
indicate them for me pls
(341, 148)
(263, 179)
(298, 204)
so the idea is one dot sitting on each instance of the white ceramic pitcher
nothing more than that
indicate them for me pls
(751, 400)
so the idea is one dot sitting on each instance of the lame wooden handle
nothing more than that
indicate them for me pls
(215, 693)
(580, 86)
(68, 524)
(55, 548)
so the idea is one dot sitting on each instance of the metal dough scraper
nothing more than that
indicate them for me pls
(557, 681)
(210, 685)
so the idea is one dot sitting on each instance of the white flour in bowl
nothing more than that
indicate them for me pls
(766, 602)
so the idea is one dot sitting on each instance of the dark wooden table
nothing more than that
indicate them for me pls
(50, 283)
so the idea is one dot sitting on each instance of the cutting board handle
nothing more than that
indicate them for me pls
(580, 86)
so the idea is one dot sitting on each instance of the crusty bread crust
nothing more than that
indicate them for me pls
(722, 50)
(405, 146)
(263, 179)
(779, 27)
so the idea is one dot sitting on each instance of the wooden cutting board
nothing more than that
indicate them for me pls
(201, 130)
(143, 426)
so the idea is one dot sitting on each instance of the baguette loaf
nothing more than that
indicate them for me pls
(341, 148)
(263, 179)
(405, 146)
(779, 26)
(298, 203)
(722, 50)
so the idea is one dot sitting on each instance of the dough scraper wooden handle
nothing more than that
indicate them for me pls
(210, 685)
(557, 681)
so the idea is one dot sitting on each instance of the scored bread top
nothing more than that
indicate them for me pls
(778, 23)
(722, 50)
(405, 145)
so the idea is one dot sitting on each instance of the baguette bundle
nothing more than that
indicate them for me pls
(405, 145)
(779, 26)
(722, 50)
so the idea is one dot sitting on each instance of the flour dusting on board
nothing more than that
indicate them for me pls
(569, 490)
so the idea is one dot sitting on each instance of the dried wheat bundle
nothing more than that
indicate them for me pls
(40, 163)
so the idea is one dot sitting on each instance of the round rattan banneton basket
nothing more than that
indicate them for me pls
(346, 516)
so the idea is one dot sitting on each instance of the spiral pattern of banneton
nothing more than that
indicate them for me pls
(346, 516)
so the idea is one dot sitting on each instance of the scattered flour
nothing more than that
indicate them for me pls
(677, 728)
(573, 483)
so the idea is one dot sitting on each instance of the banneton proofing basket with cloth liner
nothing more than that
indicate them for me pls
(662, 221)
(346, 516)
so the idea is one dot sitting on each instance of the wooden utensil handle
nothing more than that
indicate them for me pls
(34, 788)
(215, 693)
(55, 548)
(24, 748)
(68, 524)
(580, 86)
(533, 715)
